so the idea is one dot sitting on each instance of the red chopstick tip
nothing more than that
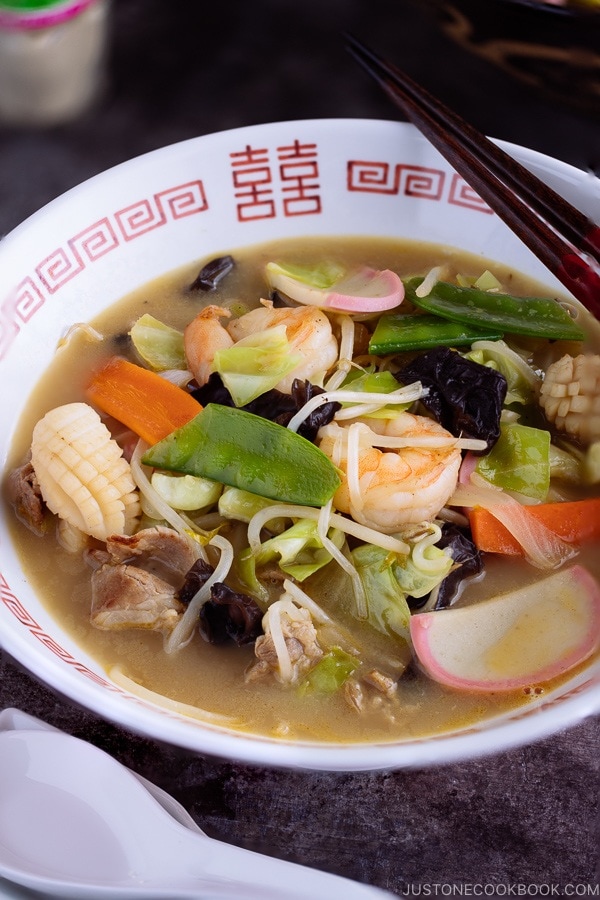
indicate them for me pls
(592, 238)
(582, 281)
(553, 229)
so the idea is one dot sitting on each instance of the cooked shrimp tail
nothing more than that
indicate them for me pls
(202, 338)
(309, 334)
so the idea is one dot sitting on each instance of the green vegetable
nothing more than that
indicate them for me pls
(159, 345)
(298, 551)
(565, 466)
(521, 380)
(487, 281)
(519, 461)
(235, 447)
(330, 672)
(388, 579)
(186, 492)
(387, 609)
(375, 383)
(370, 382)
(321, 276)
(255, 364)
(397, 333)
(534, 316)
(242, 505)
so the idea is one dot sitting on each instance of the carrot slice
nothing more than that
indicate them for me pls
(575, 521)
(140, 399)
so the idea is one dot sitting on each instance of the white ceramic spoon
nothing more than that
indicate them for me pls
(13, 719)
(76, 823)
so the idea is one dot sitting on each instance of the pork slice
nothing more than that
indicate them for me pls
(159, 549)
(26, 497)
(125, 596)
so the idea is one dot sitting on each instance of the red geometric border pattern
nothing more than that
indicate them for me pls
(95, 240)
(139, 218)
(377, 177)
(184, 200)
(90, 244)
(298, 171)
(462, 194)
(58, 268)
(18, 610)
(372, 177)
(26, 300)
(417, 181)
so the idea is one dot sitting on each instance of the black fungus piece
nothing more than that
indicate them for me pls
(274, 404)
(229, 615)
(214, 391)
(212, 273)
(468, 562)
(121, 341)
(195, 578)
(465, 397)
(465, 553)
(302, 392)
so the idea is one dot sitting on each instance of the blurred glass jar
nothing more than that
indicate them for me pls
(52, 59)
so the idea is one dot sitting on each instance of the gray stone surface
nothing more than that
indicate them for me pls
(524, 817)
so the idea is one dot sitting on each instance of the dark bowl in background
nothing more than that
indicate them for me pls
(553, 49)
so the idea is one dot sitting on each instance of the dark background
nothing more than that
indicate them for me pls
(176, 70)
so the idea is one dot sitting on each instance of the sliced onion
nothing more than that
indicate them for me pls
(541, 546)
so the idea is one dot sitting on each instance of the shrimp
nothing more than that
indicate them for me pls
(202, 338)
(308, 331)
(390, 489)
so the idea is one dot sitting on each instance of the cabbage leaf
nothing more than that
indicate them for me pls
(388, 579)
(298, 551)
(159, 345)
(255, 364)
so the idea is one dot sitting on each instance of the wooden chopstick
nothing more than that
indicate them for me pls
(562, 237)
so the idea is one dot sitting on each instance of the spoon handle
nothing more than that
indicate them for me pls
(227, 871)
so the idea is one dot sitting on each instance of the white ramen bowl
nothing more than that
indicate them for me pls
(171, 207)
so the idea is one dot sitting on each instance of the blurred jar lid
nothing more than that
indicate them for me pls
(20, 14)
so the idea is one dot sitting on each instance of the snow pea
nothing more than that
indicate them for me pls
(397, 333)
(540, 317)
(243, 450)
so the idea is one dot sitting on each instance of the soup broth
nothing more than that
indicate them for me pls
(212, 677)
